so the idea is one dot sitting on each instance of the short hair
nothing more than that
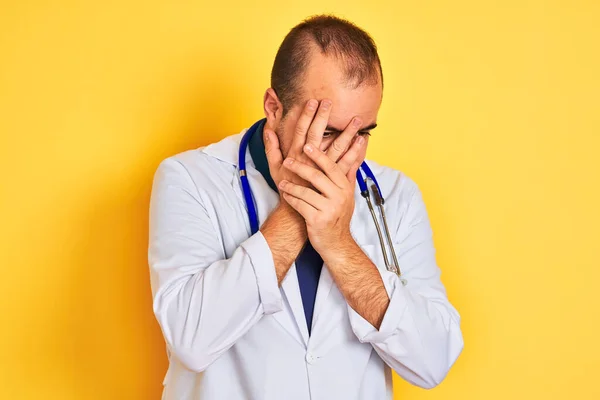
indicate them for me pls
(333, 36)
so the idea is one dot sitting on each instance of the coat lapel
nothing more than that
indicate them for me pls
(323, 290)
(293, 320)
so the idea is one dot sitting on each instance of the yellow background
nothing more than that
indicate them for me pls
(492, 107)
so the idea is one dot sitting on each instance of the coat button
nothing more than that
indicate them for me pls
(310, 358)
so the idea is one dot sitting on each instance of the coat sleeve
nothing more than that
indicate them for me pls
(203, 301)
(420, 336)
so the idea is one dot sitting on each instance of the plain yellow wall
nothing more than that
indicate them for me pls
(492, 107)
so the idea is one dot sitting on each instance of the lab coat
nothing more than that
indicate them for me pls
(233, 333)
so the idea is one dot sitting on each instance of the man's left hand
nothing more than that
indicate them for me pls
(327, 212)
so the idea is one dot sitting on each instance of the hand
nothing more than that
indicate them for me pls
(306, 126)
(308, 131)
(328, 213)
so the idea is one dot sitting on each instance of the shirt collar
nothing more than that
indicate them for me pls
(259, 156)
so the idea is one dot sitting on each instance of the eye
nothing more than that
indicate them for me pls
(365, 133)
(328, 134)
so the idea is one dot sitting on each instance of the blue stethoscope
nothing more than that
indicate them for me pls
(364, 191)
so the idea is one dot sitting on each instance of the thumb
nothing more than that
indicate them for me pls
(274, 156)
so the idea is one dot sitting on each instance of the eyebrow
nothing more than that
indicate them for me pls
(364, 128)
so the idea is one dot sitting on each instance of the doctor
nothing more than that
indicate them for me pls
(307, 306)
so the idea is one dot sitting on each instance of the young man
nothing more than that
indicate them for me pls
(306, 307)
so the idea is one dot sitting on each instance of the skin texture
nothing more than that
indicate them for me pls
(313, 156)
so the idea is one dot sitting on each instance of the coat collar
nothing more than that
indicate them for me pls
(227, 149)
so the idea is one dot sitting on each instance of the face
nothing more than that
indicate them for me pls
(325, 80)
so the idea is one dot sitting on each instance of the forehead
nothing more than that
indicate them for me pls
(324, 79)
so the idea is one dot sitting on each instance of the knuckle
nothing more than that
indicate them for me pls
(331, 167)
(338, 146)
(312, 134)
(323, 116)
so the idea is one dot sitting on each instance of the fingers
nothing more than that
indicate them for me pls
(343, 141)
(306, 210)
(274, 156)
(328, 166)
(347, 162)
(319, 124)
(303, 193)
(351, 175)
(302, 126)
(313, 176)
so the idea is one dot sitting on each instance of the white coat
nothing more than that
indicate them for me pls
(233, 333)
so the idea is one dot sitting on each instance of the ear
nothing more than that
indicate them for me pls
(273, 109)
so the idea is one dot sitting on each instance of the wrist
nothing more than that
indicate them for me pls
(285, 209)
(340, 251)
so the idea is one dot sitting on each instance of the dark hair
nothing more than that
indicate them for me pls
(332, 35)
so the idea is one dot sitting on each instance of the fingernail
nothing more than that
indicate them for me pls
(312, 104)
(267, 136)
(360, 140)
(282, 184)
(357, 122)
(326, 104)
(289, 161)
(308, 148)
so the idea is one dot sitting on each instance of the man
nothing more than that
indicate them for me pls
(304, 308)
